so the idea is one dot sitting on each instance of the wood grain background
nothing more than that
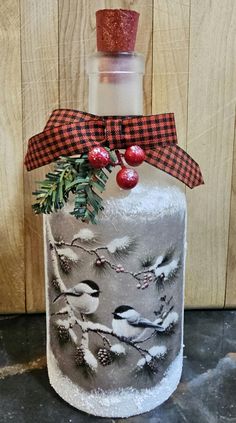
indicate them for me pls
(190, 49)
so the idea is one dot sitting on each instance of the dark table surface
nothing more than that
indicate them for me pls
(206, 394)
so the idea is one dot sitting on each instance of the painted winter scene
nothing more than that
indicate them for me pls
(115, 296)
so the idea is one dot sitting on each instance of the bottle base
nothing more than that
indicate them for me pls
(120, 403)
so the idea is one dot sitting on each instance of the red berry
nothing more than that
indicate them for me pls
(134, 155)
(98, 157)
(127, 178)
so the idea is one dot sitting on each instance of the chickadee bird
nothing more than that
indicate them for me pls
(128, 323)
(83, 297)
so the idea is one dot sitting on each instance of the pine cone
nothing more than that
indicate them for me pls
(79, 356)
(55, 284)
(104, 356)
(63, 333)
(153, 365)
(65, 263)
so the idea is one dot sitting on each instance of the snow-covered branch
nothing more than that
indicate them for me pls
(161, 269)
(155, 353)
(67, 325)
(83, 351)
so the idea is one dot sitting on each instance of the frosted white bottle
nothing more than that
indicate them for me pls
(115, 362)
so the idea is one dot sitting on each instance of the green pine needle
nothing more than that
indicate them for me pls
(73, 175)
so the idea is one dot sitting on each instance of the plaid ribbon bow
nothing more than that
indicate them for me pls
(69, 132)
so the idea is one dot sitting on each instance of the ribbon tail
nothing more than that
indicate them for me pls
(173, 160)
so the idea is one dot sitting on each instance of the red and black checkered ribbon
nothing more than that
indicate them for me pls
(69, 132)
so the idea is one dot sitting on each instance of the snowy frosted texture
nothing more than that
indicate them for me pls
(145, 204)
(171, 319)
(118, 403)
(68, 253)
(155, 351)
(85, 235)
(118, 244)
(118, 349)
(90, 359)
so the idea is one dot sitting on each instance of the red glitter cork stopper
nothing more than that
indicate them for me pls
(116, 30)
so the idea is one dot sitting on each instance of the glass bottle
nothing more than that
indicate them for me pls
(123, 356)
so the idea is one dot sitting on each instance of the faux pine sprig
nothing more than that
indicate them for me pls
(85, 176)
(74, 175)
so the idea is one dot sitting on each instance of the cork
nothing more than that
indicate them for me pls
(116, 30)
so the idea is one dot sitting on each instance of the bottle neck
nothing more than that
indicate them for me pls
(115, 84)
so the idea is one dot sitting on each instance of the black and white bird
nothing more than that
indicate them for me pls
(128, 323)
(83, 297)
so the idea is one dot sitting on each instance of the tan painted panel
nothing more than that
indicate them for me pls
(230, 298)
(39, 46)
(170, 61)
(12, 285)
(170, 67)
(211, 112)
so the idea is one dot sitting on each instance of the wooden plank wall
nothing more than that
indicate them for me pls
(189, 47)
(211, 114)
(12, 285)
(39, 53)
